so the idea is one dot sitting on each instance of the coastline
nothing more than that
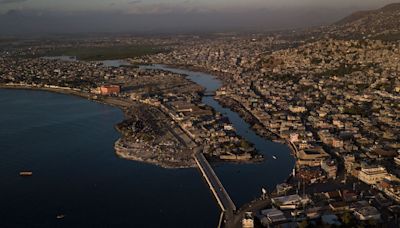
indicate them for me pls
(107, 101)
(128, 154)
(114, 102)
(123, 105)
(140, 155)
(133, 154)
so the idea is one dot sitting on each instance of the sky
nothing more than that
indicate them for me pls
(75, 16)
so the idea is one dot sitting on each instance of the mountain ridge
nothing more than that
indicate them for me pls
(382, 23)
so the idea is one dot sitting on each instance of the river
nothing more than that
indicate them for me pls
(243, 181)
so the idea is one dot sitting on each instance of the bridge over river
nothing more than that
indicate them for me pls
(225, 202)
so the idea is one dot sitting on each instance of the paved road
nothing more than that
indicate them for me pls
(218, 189)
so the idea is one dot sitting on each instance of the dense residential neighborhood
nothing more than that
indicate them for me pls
(334, 100)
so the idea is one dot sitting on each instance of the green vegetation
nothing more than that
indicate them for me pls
(244, 144)
(303, 224)
(106, 53)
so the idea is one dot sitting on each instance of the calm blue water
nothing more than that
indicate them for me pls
(68, 144)
(244, 181)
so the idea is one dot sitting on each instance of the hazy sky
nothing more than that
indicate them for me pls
(165, 6)
(24, 16)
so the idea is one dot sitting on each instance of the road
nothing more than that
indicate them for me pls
(222, 196)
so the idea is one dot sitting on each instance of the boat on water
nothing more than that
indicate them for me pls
(60, 216)
(274, 157)
(25, 173)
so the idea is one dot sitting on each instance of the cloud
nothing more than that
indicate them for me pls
(11, 1)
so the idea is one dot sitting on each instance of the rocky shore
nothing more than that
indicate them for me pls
(142, 152)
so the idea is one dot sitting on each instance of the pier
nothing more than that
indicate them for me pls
(221, 195)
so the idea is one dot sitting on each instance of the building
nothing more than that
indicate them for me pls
(274, 216)
(397, 160)
(367, 213)
(110, 89)
(349, 161)
(294, 137)
(330, 167)
(248, 221)
(372, 174)
(311, 157)
(290, 202)
(310, 174)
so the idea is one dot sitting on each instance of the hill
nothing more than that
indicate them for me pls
(383, 23)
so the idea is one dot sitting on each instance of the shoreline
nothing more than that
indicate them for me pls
(123, 105)
(218, 75)
(247, 116)
(111, 101)
(107, 101)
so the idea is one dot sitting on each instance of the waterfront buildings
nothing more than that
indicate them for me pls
(110, 90)
(311, 157)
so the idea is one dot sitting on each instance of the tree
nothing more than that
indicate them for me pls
(346, 218)
(303, 224)
(244, 144)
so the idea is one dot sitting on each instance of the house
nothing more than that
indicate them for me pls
(312, 157)
(367, 213)
(110, 89)
(330, 167)
(274, 215)
(349, 196)
(290, 202)
(339, 206)
(248, 221)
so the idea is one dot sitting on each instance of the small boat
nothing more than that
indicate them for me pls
(60, 216)
(273, 156)
(25, 173)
